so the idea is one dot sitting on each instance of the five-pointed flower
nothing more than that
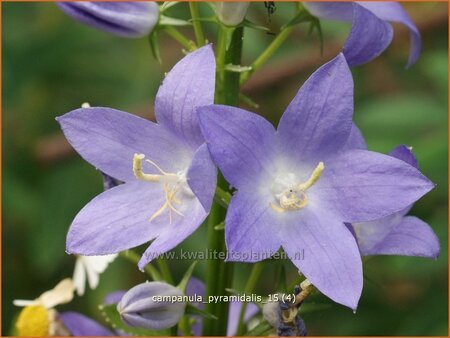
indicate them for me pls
(371, 33)
(168, 173)
(126, 19)
(397, 234)
(297, 185)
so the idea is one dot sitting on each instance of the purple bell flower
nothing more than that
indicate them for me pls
(127, 19)
(371, 32)
(144, 306)
(297, 185)
(397, 234)
(169, 176)
(79, 325)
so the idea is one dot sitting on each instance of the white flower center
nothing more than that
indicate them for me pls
(291, 195)
(172, 184)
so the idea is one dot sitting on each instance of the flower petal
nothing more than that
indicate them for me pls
(114, 297)
(405, 154)
(318, 121)
(117, 219)
(368, 38)
(173, 234)
(202, 177)
(363, 185)
(394, 12)
(326, 252)
(80, 325)
(190, 84)
(128, 19)
(139, 308)
(370, 234)
(355, 140)
(241, 143)
(233, 316)
(108, 139)
(250, 229)
(411, 237)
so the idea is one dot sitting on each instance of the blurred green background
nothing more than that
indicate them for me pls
(52, 64)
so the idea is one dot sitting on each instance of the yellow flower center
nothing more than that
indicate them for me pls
(171, 185)
(33, 321)
(294, 197)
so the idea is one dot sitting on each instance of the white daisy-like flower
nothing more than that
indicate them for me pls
(89, 268)
(39, 318)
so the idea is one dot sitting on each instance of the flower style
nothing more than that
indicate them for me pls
(39, 318)
(296, 186)
(397, 234)
(168, 173)
(371, 33)
(126, 19)
(89, 268)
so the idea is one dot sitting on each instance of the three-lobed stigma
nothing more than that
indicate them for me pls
(295, 198)
(171, 185)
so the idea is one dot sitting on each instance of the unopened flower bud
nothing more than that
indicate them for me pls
(153, 305)
(128, 19)
(231, 13)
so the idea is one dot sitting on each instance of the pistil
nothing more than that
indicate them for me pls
(295, 198)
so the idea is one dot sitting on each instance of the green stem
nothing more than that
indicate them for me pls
(164, 268)
(134, 258)
(222, 197)
(184, 326)
(268, 52)
(220, 273)
(184, 41)
(249, 288)
(193, 6)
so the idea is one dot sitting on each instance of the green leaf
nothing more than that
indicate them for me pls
(262, 329)
(111, 315)
(300, 17)
(154, 45)
(220, 226)
(249, 24)
(237, 68)
(193, 310)
(168, 21)
(248, 101)
(167, 4)
(280, 278)
(186, 277)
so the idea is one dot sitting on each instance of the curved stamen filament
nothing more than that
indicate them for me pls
(170, 185)
(317, 172)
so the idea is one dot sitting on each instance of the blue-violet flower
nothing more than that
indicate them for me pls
(297, 185)
(168, 173)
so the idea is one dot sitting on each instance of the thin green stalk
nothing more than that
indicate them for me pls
(184, 41)
(249, 288)
(134, 258)
(164, 268)
(184, 326)
(220, 61)
(220, 273)
(199, 36)
(268, 52)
